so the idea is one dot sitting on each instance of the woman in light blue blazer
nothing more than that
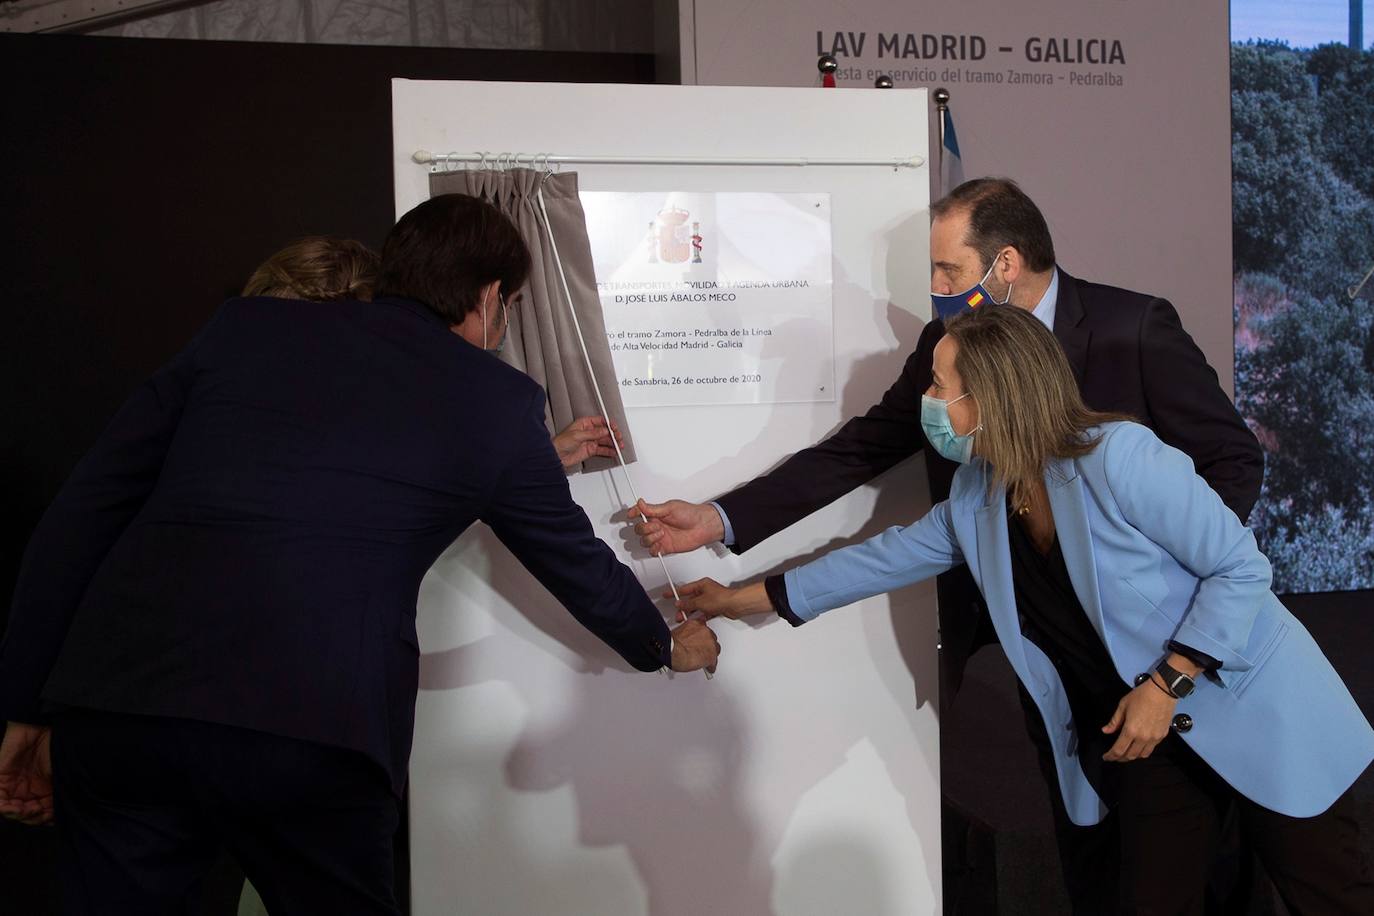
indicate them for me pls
(1135, 608)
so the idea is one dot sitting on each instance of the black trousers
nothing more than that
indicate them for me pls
(144, 805)
(1170, 811)
(1154, 852)
(1090, 857)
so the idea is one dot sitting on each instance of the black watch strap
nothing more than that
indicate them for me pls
(1176, 682)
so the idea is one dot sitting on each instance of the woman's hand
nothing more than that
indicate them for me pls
(711, 599)
(1143, 718)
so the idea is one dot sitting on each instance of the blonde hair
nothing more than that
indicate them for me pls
(317, 268)
(1028, 402)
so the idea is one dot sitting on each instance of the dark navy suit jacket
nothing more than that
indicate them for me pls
(245, 543)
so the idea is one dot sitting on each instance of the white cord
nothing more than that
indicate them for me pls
(567, 293)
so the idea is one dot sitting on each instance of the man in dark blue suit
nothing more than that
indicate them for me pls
(216, 616)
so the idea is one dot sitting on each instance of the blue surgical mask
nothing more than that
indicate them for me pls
(505, 328)
(940, 431)
(946, 307)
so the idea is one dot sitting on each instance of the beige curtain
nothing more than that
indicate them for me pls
(543, 339)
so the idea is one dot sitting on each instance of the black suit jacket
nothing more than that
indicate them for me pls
(1130, 355)
(245, 543)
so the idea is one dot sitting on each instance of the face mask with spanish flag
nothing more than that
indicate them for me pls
(946, 307)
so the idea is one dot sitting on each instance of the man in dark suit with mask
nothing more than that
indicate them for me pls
(991, 246)
(214, 625)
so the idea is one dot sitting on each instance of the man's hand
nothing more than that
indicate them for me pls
(586, 437)
(1143, 717)
(677, 526)
(710, 598)
(26, 774)
(695, 646)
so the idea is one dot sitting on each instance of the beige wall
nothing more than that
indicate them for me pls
(1134, 177)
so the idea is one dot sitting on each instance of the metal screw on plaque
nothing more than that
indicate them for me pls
(883, 82)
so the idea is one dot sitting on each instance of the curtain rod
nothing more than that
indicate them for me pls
(441, 161)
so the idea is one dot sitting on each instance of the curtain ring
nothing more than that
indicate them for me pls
(482, 162)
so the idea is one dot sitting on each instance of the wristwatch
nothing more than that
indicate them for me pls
(1175, 681)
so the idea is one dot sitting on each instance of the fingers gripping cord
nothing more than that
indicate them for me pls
(601, 402)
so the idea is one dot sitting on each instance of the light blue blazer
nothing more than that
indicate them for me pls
(1154, 555)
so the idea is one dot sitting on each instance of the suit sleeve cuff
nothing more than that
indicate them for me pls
(27, 713)
(776, 587)
(1226, 658)
(1201, 659)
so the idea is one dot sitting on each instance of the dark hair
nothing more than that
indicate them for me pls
(317, 268)
(445, 250)
(1000, 215)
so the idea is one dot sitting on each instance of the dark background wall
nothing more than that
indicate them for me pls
(140, 183)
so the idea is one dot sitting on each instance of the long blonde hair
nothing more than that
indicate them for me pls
(1028, 402)
(317, 268)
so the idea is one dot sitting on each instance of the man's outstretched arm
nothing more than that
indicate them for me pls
(533, 513)
(811, 479)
